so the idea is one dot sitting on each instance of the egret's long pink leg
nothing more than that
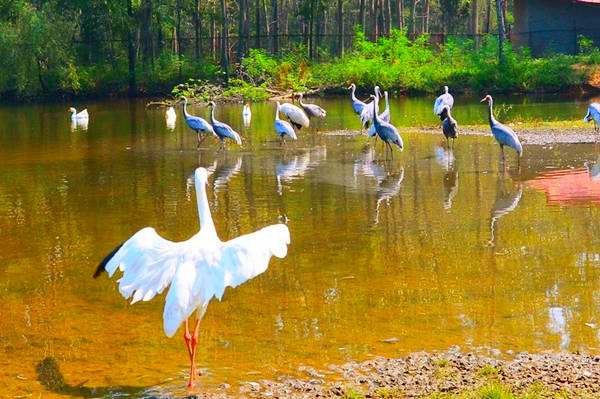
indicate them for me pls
(188, 338)
(192, 347)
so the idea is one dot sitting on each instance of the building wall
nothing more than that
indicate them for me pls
(553, 25)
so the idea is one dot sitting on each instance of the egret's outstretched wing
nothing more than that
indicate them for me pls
(247, 256)
(148, 263)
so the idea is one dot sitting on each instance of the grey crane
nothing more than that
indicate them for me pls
(357, 105)
(385, 115)
(445, 99)
(283, 128)
(386, 131)
(594, 114)
(449, 126)
(312, 110)
(196, 123)
(222, 130)
(503, 134)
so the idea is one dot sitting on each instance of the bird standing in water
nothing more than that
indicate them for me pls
(197, 269)
(503, 134)
(196, 123)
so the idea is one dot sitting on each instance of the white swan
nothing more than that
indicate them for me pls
(82, 115)
(196, 269)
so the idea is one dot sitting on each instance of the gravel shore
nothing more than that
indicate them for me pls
(530, 134)
(433, 375)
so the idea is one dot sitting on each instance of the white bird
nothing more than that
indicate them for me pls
(442, 101)
(247, 114)
(170, 118)
(295, 115)
(196, 270)
(593, 113)
(78, 116)
(282, 127)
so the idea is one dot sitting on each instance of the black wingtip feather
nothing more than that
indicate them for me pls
(102, 266)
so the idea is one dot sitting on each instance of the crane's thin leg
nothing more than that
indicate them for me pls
(502, 149)
(391, 150)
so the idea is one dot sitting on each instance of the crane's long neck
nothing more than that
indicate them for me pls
(491, 113)
(185, 113)
(387, 102)
(277, 113)
(300, 100)
(206, 222)
(353, 95)
(376, 120)
(212, 114)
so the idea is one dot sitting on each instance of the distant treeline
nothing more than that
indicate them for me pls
(105, 47)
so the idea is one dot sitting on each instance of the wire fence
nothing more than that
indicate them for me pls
(320, 46)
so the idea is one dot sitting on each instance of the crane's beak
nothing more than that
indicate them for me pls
(483, 99)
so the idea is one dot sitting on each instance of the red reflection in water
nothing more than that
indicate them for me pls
(568, 187)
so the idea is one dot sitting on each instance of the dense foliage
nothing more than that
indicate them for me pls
(109, 47)
(403, 65)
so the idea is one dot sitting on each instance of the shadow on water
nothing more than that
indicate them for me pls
(51, 378)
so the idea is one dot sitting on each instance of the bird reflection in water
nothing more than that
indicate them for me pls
(79, 124)
(389, 178)
(224, 167)
(388, 188)
(294, 167)
(445, 158)
(507, 201)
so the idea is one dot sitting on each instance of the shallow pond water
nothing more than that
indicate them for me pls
(422, 252)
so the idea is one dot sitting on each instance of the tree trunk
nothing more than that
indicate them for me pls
(388, 17)
(400, 13)
(275, 27)
(267, 24)
(177, 27)
(246, 27)
(413, 12)
(131, 49)
(340, 28)
(488, 16)
(241, 28)
(197, 44)
(374, 16)
(224, 40)
(257, 17)
(362, 20)
(426, 17)
(310, 30)
(501, 33)
(475, 22)
(213, 32)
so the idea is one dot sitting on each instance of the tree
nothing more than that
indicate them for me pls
(501, 31)
(224, 40)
